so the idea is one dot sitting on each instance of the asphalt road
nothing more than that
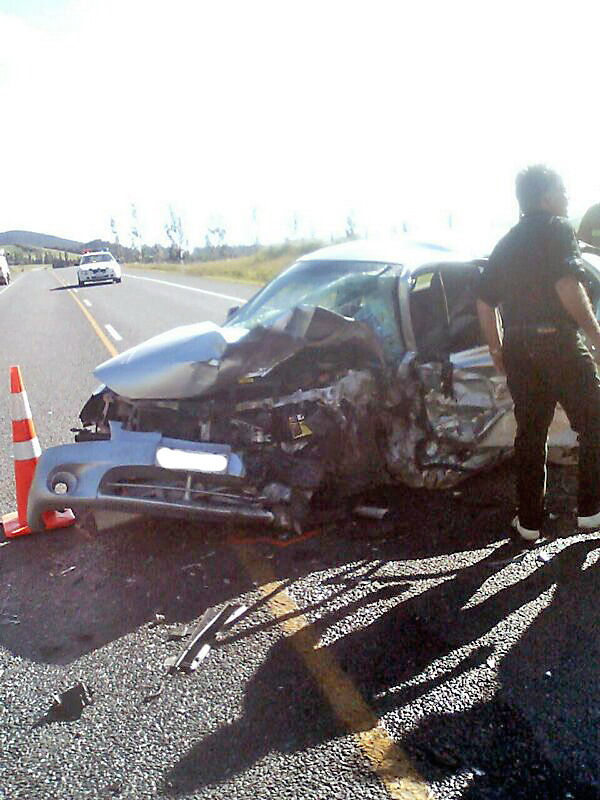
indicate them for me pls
(430, 654)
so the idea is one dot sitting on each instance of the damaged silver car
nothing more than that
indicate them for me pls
(361, 364)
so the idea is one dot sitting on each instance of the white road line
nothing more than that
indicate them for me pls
(6, 288)
(74, 290)
(87, 302)
(190, 288)
(116, 336)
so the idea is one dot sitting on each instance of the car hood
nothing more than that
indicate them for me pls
(200, 359)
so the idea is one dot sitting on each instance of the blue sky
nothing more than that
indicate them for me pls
(252, 114)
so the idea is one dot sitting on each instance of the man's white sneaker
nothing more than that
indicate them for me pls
(589, 523)
(525, 533)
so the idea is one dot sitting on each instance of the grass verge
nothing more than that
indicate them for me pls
(258, 267)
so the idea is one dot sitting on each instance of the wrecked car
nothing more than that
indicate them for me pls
(361, 364)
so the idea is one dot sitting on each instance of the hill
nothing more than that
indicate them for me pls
(47, 242)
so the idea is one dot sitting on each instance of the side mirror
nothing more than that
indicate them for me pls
(232, 311)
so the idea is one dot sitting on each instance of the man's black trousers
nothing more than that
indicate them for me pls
(543, 369)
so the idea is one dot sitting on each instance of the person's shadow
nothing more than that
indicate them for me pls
(392, 660)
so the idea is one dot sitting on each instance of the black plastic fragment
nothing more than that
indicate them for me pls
(68, 706)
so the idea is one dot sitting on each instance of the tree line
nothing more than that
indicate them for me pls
(130, 246)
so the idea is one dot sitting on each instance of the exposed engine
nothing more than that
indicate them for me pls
(298, 445)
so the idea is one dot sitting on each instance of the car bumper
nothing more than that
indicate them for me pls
(96, 277)
(122, 474)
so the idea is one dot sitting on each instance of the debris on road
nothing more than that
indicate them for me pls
(200, 644)
(198, 647)
(67, 570)
(180, 632)
(68, 706)
(370, 512)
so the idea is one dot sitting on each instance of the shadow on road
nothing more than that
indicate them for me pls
(68, 593)
(80, 286)
(536, 639)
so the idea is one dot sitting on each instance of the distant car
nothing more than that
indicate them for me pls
(98, 266)
(4, 269)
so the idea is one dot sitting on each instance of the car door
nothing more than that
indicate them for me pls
(465, 398)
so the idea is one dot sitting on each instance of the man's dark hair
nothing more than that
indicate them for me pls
(532, 183)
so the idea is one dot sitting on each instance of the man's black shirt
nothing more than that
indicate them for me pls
(524, 267)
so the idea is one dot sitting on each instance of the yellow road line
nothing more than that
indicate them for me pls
(385, 757)
(97, 329)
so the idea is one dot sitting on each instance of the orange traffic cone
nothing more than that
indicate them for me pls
(26, 454)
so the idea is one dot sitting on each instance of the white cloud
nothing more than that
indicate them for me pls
(395, 111)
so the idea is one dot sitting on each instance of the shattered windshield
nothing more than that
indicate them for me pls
(360, 290)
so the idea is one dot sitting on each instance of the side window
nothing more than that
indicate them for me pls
(429, 315)
(463, 324)
(444, 312)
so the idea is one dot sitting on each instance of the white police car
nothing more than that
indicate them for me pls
(98, 266)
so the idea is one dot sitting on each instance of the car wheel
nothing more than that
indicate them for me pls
(117, 280)
(80, 282)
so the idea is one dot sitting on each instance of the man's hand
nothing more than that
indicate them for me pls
(577, 304)
(488, 320)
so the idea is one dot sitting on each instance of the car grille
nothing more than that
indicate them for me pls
(165, 486)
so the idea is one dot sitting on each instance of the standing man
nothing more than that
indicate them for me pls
(533, 279)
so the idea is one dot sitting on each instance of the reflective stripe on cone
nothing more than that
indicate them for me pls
(26, 451)
(19, 406)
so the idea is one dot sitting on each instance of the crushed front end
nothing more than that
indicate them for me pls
(270, 445)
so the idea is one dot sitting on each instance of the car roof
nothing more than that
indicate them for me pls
(406, 252)
(97, 253)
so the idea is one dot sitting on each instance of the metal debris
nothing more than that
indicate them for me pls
(68, 569)
(68, 706)
(198, 647)
(370, 512)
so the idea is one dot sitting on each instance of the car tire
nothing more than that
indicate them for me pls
(117, 280)
(80, 282)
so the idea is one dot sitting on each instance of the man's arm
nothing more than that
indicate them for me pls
(488, 320)
(577, 304)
